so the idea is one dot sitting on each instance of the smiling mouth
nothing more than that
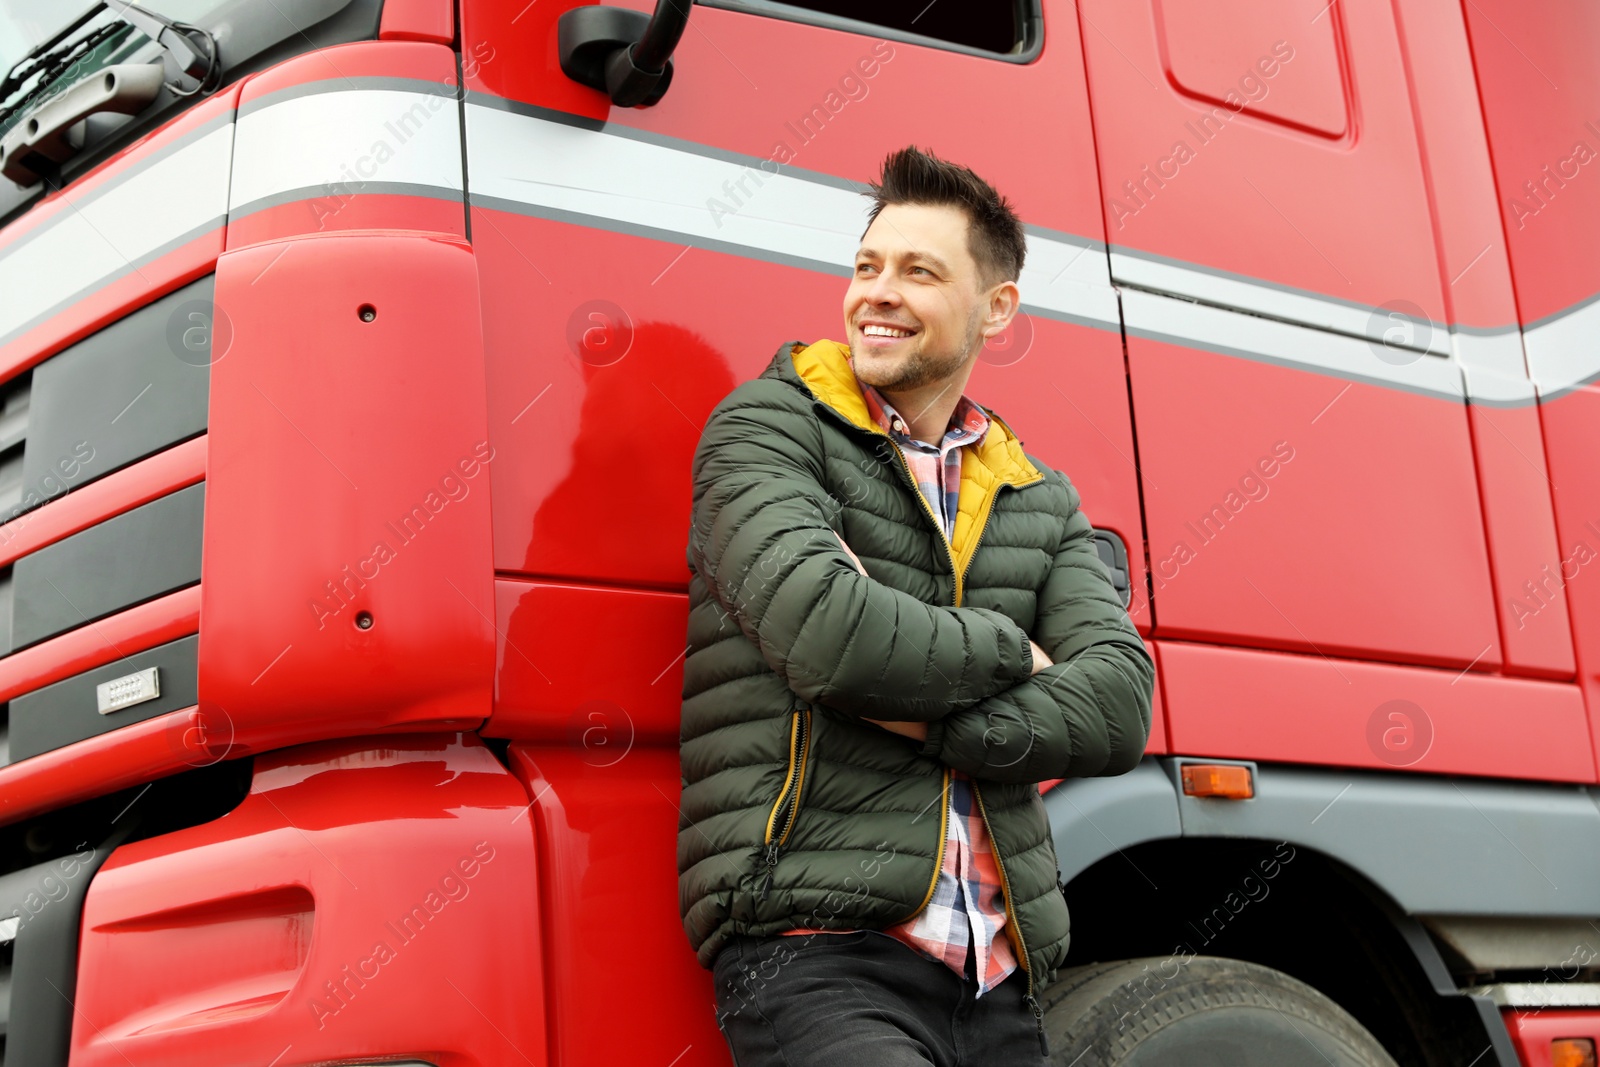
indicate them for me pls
(886, 332)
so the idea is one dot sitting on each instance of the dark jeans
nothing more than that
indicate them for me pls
(864, 998)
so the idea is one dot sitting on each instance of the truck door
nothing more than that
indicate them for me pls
(1541, 102)
(1338, 454)
(637, 264)
(1309, 478)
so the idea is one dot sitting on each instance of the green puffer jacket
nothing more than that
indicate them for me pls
(795, 813)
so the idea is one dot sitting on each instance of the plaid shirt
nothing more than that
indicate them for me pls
(968, 904)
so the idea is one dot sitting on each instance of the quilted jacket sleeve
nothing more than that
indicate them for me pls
(1088, 713)
(761, 540)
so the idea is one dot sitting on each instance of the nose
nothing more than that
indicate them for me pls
(882, 291)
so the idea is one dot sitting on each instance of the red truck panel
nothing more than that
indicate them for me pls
(1515, 489)
(744, 83)
(418, 20)
(1572, 441)
(561, 681)
(1528, 564)
(1541, 102)
(618, 976)
(105, 763)
(1262, 139)
(1545, 134)
(329, 914)
(633, 223)
(1290, 509)
(1532, 1031)
(369, 435)
(1274, 706)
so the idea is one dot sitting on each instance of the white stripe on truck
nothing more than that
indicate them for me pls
(156, 208)
(339, 138)
(342, 142)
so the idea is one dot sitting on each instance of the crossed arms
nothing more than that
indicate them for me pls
(918, 731)
(763, 539)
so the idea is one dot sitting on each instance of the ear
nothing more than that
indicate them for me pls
(1004, 301)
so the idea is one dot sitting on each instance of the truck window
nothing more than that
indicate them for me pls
(1009, 29)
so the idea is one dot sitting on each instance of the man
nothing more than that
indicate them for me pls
(898, 626)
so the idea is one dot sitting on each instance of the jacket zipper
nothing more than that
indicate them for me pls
(949, 549)
(788, 802)
(994, 845)
(983, 526)
(944, 781)
(960, 575)
(1011, 916)
(938, 856)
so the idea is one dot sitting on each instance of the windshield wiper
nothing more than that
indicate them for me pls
(193, 49)
(26, 67)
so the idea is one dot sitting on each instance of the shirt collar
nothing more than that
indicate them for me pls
(968, 423)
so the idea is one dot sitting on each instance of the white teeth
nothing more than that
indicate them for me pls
(884, 331)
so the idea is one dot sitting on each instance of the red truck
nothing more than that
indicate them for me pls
(353, 354)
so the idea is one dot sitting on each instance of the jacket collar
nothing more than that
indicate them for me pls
(823, 368)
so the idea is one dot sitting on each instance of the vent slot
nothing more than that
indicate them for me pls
(14, 397)
(128, 559)
(68, 710)
(5, 610)
(136, 387)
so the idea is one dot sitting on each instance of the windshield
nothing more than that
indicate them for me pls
(25, 24)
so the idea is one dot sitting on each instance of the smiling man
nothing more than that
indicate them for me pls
(898, 626)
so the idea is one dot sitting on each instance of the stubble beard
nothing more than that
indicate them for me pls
(921, 368)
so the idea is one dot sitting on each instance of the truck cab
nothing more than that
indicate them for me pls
(352, 357)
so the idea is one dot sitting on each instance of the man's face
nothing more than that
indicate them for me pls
(915, 311)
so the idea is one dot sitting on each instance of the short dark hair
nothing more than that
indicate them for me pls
(994, 233)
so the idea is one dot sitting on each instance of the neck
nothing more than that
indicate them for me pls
(927, 408)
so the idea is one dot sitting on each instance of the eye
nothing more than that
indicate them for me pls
(924, 270)
(863, 267)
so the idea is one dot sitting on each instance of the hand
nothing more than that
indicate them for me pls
(917, 731)
(859, 566)
(1040, 660)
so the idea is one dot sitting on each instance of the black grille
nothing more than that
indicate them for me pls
(6, 589)
(132, 557)
(134, 388)
(13, 435)
(67, 711)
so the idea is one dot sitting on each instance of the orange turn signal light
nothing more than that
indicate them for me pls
(1222, 780)
(1572, 1052)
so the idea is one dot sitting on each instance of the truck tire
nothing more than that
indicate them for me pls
(1199, 1011)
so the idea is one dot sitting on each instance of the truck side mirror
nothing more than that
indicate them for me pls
(625, 54)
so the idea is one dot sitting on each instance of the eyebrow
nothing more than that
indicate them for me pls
(926, 257)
